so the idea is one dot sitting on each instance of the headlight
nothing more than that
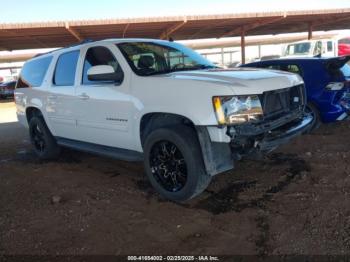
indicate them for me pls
(237, 109)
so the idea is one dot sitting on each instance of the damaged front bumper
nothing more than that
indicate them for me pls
(250, 139)
(268, 135)
(281, 136)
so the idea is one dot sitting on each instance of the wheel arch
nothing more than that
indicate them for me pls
(154, 120)
(217, 157)
(32, 111)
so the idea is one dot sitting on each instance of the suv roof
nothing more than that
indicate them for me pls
(109, 40)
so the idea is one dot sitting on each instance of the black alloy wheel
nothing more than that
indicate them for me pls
(168, 166)
(174, 164)
(38, 138)
(44, 143)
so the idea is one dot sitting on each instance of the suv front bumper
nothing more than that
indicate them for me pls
(266, 137)
(219, 154)
(281, 136)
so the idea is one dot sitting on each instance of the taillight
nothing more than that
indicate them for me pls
(335, 86)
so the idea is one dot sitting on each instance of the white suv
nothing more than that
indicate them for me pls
(160, 102)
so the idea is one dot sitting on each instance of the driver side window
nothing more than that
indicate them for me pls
(99, 55)
(178, 58)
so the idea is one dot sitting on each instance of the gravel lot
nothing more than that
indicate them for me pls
(7, 112)
(296, 201)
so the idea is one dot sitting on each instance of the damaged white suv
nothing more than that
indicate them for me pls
(160, 102)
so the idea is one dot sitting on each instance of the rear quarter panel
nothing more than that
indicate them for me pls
(34, 97)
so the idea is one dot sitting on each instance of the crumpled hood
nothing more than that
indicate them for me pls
(242, 80)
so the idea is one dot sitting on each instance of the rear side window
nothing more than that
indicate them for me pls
(33, 72)
(65, 69)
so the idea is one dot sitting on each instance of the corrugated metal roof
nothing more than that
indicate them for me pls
(62, 33)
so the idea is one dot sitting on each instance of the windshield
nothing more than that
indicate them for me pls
(148, 58)
(298, 49)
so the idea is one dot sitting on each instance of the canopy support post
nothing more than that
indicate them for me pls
(310, 29)
(242, 45)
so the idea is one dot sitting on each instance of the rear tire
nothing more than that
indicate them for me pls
(174, 163)
(45, 145)
(316, 123)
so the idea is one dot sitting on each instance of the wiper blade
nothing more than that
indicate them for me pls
(157, 73)
(196, 67)
(201, 66)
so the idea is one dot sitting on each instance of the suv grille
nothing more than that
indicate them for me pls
(278, 102)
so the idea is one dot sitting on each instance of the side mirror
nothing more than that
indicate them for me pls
(104, 73)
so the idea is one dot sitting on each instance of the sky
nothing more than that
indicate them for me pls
(57, 10)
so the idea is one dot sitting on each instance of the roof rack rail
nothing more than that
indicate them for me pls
(85, 41)
(37, 55)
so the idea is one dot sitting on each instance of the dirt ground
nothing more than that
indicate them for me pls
(296, 201)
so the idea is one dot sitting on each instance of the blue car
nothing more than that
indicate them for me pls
(327, 83)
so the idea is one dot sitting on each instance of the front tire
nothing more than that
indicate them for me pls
(174, 163)
(45, 145)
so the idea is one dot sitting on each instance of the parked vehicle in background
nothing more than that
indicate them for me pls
(339, 46)
(327, 83)
(344, 46)
(160, 102)
(7, 89)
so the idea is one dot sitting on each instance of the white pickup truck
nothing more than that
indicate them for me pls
(335, 46)
(158, 102)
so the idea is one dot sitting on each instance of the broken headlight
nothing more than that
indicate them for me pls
(237, 109)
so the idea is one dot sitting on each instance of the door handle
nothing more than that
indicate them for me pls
(83, 96)
(52, 97)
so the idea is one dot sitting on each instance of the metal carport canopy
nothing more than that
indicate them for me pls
(58, 34)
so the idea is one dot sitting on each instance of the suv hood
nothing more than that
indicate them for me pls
(242, 80)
